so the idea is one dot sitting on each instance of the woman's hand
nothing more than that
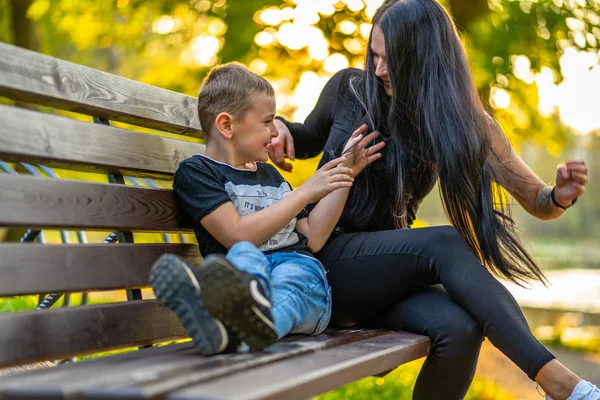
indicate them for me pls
(328, 178)
(282, 146)
(571, 179)
(358, 157)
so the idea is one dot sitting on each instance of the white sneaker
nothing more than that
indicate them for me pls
(584, 390)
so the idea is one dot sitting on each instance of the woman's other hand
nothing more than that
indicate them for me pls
(571, 179)
(357, 154)
(282, 147)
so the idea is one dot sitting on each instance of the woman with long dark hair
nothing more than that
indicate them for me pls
(417, 91)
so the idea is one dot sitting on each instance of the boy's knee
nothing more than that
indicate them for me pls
(308, 278)
(243, 247)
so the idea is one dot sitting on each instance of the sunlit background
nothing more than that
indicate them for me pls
(535, 64)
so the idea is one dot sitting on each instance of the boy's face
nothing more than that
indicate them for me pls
(253, 132)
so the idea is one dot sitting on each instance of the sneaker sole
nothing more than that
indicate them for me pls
(171, 278)
(227, 296)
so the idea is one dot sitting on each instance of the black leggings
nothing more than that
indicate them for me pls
(390, 278)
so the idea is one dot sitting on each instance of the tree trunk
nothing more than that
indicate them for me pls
(467, 11)
(23, 27)
(24, 36)
(240, 35)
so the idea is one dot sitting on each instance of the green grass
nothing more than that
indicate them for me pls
(585, 339)
(561, 254)
(24, 303)
(399, 384)
(21, 303)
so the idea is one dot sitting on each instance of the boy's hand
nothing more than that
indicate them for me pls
(328, 178)
(358, 157)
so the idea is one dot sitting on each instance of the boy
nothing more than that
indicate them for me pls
(269, 283)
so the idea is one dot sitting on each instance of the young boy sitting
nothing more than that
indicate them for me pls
(269, 283)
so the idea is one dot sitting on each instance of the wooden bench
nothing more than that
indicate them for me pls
(296, 367)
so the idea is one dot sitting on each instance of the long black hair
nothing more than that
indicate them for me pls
(436, 125)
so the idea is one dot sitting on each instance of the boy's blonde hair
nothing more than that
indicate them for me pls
(229, 88)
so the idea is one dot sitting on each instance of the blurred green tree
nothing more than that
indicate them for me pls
(298, 44)
(172, 43)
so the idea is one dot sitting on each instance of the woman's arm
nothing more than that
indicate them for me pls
(529, 190)
(305, 140)
(325, 215)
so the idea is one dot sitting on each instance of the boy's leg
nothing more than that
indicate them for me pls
(233, 292)
(176, 285)
(247, 257)
(300, 294)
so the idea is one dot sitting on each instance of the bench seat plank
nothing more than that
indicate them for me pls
(51, 203)
(177, 378)
(65, 332)
(36, 78)
(36, 268)
(49, 378)
(61, 142)
(156, 375)
(160, 362)
(310, 374)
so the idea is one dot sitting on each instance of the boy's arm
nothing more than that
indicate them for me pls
(322, 219)
(226, 225)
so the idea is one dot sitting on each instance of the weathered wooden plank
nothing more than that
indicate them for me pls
(310, 374)
(65, 332)
(40, 79)
(61, 142)
(154, 376)
(38, 202)
(51, 379)
(36, 268)
(166, 380)
(78, 372)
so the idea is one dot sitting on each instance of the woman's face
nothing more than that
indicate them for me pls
(379, 60)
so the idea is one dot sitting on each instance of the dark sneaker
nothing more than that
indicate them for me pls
(238, 300)
(176, 285)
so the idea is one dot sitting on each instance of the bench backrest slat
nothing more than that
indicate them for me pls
(66, 143)
(64, 332)
(36, 202)
(40, 79)
(36, 268)
(43, 203)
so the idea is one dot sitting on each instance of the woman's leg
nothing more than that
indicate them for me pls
(455, 336)
(371, 271)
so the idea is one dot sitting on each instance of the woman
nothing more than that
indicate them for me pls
(418, 92)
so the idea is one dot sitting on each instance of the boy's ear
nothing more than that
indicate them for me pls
(224, 124)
